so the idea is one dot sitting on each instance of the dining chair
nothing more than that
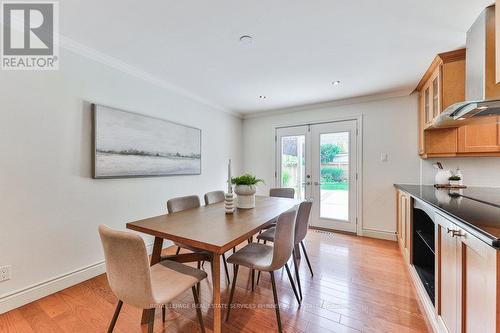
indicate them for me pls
(214, 197)
(301, 227)
(135, 282)
(179, 204)
(262, 257)
(278, 192)
(282, 192)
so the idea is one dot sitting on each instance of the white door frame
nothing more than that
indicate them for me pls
(359, 160)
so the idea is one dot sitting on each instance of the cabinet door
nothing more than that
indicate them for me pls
(479, 285)
(480, 137)
(448, 276)
(436, 93)
(427, 104)
(402, 218)
(421, 124)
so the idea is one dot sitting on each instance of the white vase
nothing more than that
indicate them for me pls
(246, 196)
(442, 176)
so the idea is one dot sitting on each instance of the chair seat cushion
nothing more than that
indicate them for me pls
(169, 279)
(267, 235)
(253, 255)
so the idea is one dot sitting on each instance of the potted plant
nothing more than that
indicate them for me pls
(245, 190)
(455, 180)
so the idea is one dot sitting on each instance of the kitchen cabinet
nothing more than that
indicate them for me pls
(441, 86)
(447, 276)
(467, 269)
(404, 222)
(481, 136)
(467, 280)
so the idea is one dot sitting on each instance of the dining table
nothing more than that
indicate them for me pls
(209, 228)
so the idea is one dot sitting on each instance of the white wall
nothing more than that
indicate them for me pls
(477, 171)
(389, 126)
(49, 205)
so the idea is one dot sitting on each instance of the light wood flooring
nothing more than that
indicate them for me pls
(360, 285)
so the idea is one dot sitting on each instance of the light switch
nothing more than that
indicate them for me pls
(384, 157)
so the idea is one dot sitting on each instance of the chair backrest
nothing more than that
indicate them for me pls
(127, 266)
(282, 192)
(283, 239)
(302, 221)
(182, 203)
(214, 197)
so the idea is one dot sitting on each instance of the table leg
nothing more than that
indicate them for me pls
(155, 258)
(216, 293)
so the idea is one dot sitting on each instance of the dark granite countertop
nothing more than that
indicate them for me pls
(477, 208)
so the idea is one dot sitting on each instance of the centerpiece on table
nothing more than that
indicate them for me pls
(245, 190)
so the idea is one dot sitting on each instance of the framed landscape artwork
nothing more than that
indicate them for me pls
(132, 145)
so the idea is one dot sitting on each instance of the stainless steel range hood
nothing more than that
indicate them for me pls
(476, 104)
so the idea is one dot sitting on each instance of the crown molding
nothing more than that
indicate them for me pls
(102, 58)
(334, 103)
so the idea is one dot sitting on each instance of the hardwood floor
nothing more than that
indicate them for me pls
(359, 285)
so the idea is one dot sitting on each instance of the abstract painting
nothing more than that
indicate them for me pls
(132, 145)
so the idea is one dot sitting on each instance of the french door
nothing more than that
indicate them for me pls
(319, 162)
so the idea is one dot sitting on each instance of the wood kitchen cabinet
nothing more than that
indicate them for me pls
(404, 222)
(441, 86)
(481, 136)
(466, 281)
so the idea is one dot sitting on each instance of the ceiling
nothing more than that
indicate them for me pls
(299, 47)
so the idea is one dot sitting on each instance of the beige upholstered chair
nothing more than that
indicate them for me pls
(261, 257)
(134, 282)
(184, 203)
(282, 192)
(301, 227)
(214, 197)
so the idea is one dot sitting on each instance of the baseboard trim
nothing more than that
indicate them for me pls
(387, 235)
(34, 292)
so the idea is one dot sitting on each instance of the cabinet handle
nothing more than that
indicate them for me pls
(454, 233)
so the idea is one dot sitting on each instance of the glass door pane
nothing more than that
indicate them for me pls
(334, 176)
(293, 171)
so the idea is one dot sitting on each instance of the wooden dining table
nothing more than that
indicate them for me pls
(209, 228)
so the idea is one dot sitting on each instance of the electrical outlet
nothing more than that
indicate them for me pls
(5, 273)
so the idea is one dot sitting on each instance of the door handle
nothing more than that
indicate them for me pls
(318, 183)
(306, 183)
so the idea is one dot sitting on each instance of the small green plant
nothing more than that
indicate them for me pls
(246, 179)
(331, 174)
(285, 177)
(454, 178)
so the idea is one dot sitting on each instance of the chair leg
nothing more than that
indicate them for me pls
(198, 309)
(258, 278)
(276, 304)
(297, 277)
(178, 250)
(115, 316)
(225, 268)
(307, 257)
(235, 275)
(163, 313)
(234, 249)
(292, 283)
(151, 321)
(253, 279)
